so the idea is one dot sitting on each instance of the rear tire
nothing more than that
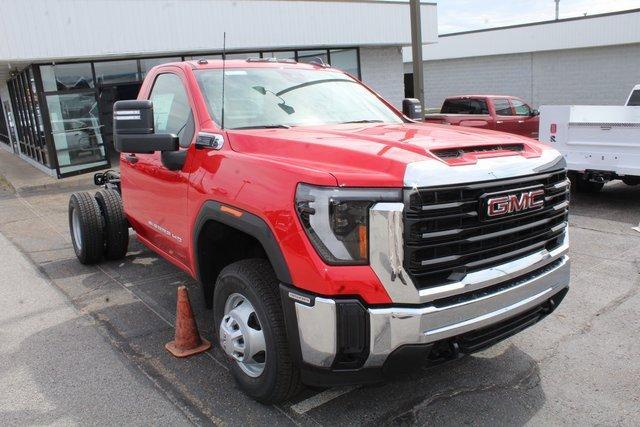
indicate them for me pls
(253, 280)
(582, 185)
(116, 228)
(85, 224)
(585, 186)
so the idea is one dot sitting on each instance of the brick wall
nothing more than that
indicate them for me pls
(382, 70)
(598, 76)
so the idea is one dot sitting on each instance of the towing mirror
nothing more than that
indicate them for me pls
(535, 112)
(411, 108)
(133, 129)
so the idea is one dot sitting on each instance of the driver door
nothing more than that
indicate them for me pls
(155, 197)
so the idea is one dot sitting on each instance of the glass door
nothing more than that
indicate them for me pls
(75, 129)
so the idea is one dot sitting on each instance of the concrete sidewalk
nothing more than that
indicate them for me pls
(55, 365)
(27, 179)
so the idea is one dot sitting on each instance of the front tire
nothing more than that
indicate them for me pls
(85, 224)
(250, 326)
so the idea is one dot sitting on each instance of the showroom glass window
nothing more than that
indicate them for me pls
(503, 107)
(309, 55)
(346, 60)
(74, 117)
(113, 72)
(149, 63)
(66, 76)
(75, 127)
(520, 108)
(171, 108)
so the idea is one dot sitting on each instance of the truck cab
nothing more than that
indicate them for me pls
(337, 240)
(501, 113)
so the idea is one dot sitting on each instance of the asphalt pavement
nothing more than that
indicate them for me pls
(579, 366)
(58, 367)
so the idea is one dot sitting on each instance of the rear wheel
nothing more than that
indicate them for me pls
(85, 223)
(251, 330)
(585, 186)
(582, 185)
(116, 228)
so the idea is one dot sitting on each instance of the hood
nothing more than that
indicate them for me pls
(376, 155)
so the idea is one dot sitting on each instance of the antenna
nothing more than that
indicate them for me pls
(224, 60)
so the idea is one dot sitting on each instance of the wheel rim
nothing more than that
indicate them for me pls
(75, 226)
(242, 336)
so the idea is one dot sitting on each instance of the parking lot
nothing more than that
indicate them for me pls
(578, 366)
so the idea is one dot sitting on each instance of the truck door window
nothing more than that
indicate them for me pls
(171, 109)
(520, 108)
(464, 106)
(503, 107)
(634, 99)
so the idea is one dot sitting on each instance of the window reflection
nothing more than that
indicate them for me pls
(345, 60)
(66, 76)
(112, 72)
(309, 55)
(76, 130)
(280, 55)
(147, 64)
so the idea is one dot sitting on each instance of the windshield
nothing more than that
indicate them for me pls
(284, 97)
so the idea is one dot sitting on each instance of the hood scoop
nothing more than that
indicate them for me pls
(478, 150)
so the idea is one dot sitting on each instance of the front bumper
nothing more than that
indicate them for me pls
(338, 341)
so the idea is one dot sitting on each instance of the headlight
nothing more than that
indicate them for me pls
(336, 220)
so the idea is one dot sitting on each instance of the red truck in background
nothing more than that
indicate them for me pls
(495, 112)
(337, 240)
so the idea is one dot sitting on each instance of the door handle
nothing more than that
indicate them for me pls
(131, 158)
(520, 121)
(499, 122)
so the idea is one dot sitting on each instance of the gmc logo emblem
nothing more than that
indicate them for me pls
(514, 203)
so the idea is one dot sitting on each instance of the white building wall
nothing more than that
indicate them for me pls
(37, 29)
(573, 33)
(597, 76)
(500, 75)
(382, 70)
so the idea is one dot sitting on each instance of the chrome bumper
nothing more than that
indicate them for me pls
(393, 327)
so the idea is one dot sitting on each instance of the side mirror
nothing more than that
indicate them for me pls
(534, 113)
(411, 108)
(133, 129)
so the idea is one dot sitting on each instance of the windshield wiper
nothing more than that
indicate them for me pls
(361, 121)
(265, 127)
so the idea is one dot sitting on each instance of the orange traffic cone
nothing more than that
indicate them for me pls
(187, 340)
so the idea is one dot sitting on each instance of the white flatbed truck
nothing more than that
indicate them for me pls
(599, 143)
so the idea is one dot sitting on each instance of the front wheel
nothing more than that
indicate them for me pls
(250, 325)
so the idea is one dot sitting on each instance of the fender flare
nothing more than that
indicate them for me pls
(248, 223)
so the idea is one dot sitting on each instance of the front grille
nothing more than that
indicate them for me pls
(445, 236)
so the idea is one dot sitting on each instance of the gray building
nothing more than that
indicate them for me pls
(588, 60)
(64, 62)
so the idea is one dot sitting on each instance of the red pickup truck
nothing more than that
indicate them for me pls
(337, 240)
(495, 112)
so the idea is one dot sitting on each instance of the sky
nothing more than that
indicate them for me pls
(464, 15)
